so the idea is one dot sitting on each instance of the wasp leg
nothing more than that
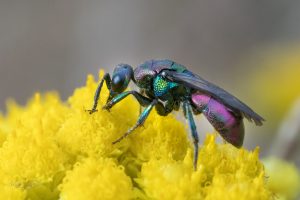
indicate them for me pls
(143, 101)
(189, 116)
(142, 92)
(140, 121)
(107, 79)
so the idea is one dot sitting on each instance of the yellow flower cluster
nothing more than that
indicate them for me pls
(55, 150)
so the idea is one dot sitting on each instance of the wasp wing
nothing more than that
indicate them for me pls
(194, 81)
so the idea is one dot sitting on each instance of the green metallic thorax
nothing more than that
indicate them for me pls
(162, 86)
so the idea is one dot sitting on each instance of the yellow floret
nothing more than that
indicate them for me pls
(96, 179)
(8, 192)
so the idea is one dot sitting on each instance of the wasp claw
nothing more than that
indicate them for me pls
(106, 107)
(117, 141)
(91, 111)
(114, 142)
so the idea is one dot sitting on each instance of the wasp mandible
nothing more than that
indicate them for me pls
(167, 86)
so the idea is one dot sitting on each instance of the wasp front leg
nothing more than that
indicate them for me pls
(143, 101)
(107, 79)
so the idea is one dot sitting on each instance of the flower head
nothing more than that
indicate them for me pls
(53, 149)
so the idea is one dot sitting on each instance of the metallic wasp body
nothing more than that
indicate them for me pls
(166, 86)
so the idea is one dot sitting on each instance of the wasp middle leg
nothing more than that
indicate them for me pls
(189, 116)
(140, 121)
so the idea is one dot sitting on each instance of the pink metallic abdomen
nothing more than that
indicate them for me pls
(230, 126)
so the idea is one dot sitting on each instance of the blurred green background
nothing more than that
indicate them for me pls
(250, 48)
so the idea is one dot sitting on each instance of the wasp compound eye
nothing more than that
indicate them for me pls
(118, 82)
(121, 77)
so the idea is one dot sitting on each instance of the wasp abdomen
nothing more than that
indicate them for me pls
(229, 125)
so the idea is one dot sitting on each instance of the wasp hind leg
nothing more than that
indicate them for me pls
(107, 79)
(193, 130)
(140, 121)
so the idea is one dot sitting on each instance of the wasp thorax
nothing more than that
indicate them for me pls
(121, 77)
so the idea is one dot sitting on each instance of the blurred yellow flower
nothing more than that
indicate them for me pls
(284, 178)
(56, 150)
(275, 80)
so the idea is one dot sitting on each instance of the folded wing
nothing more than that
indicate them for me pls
(194, 81)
